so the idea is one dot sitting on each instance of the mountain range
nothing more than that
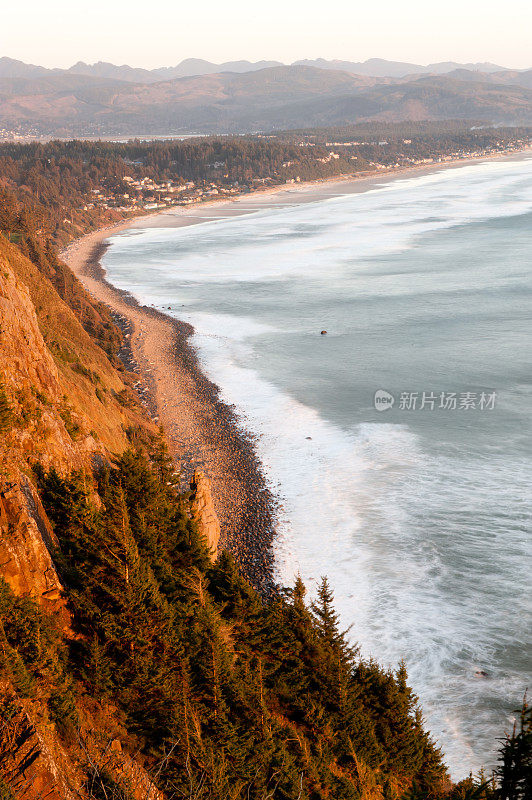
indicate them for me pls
(374, 67)
(237, 97)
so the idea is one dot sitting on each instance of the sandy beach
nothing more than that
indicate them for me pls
(202, 431)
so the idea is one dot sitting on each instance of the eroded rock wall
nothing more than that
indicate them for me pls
(203, 511)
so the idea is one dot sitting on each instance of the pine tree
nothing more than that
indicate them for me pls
(328, 622)
(298, 594)
(338, 657)
(515, 771)
(163, 462)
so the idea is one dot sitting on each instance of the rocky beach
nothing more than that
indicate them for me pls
(203, 433)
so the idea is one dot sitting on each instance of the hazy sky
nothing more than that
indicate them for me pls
(56, 33)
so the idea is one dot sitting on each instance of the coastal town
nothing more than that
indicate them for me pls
(149, 195)
(135, 194)
(67, 187)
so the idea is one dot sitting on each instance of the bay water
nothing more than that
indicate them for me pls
(398, 443)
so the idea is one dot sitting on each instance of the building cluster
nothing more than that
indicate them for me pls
(329, 157)
(149, 195)
(404, 160)
(402, 153)
(22, 135)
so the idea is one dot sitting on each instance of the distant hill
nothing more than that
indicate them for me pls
(103, 69)
(187, 68)
(219, 102)
(105, 102)
(373, 67)
(197, 66)
(428, 98)
(380, 68)
(53, 85)
(505, 77)
(11, 68)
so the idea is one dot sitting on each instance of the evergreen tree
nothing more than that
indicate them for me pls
(327, 623)
(515, 770)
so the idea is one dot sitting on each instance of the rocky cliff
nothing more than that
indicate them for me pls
(45, 352)
(203, 512)
(45, 424)
(26, 541)
(60, 408)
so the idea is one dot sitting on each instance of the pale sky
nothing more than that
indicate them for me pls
(56, 33)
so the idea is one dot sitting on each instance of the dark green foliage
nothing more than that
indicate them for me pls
(515, 771)
(470, 789)
(233, 695)
(13, 666)
(32, 656)
(54, 182)
(253, 698)
(101, 786)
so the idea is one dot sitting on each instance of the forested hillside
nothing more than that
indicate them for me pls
(243, 697)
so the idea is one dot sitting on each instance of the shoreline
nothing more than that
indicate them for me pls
(287, 194)
(202, 431)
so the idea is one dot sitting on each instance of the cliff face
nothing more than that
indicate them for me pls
(71, 360)
(59, 408)
(41, 427)
(25, 358)
(35, 390)
(25, 542)
(48, 426)
(49, 410)
(36, 764)
(32, 761)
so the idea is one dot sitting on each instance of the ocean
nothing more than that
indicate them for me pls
(398, 443)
